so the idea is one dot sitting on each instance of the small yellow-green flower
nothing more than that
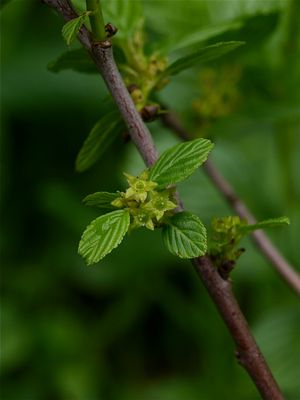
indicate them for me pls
(141, 217)
(146, 205)
(159, 204)
(139, 187)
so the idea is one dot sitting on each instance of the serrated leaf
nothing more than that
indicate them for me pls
(72, 27)
(201, 56)
(185, 235)
(269, 223)
(103, 235)
(179, 162)
(106, 130)
(76, 60)
(101, 200)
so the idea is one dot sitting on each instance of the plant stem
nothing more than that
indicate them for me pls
(261, 240)
(248, 352)
(138, 132)
(96, 19)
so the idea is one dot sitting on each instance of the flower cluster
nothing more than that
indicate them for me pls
(226, 235)
(146, 204)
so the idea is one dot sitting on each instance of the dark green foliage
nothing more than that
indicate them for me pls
(101, 200)
(77, 60)
(104, 132)
(141, 326)
(201, 56)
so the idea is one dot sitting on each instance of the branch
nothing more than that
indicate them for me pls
(101, 52)
(248, 352)
(137, 130)
(261, 240)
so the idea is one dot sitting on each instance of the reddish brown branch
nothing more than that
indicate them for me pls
(285, 270)
(138, 132)
(220, 290)
(248, 353)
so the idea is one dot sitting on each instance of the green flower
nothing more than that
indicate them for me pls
(225, 224)
(146, 205)
(141, 217)
(159, 204)
(123, 202)
(139, 187)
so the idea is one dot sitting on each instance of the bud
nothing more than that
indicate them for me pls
(110, 30)
(149, 112)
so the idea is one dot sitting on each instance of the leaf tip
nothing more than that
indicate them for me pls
(79, 166)
(286, 221)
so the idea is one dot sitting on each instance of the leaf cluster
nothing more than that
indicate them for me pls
(148, 71)
(227, 232)
(149, 202)
(144, 72)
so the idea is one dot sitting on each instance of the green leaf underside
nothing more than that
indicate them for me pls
(103, 235)
(71, 28)
(201, 56)
(179, 162)
(76, 60)
(197, 38)
(106, 130)
(185, 235)
(269, 223)
(101, 200)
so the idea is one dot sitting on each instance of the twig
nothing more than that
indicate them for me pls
(101, 52)
(138, 132)
(248, 352)
(281, 265)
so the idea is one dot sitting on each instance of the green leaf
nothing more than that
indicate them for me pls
(103, 235)
(185, 235)
(269, 223)
(72, 27)
(77, 60)
(193, 21)
(106, 130)
(201, 56)
(252, 28)
(179, 162)
(101, 200)
(126, 15)
(197, 37)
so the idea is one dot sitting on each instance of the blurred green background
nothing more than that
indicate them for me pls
(140, 325)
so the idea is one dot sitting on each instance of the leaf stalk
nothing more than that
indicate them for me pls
(96, 19)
